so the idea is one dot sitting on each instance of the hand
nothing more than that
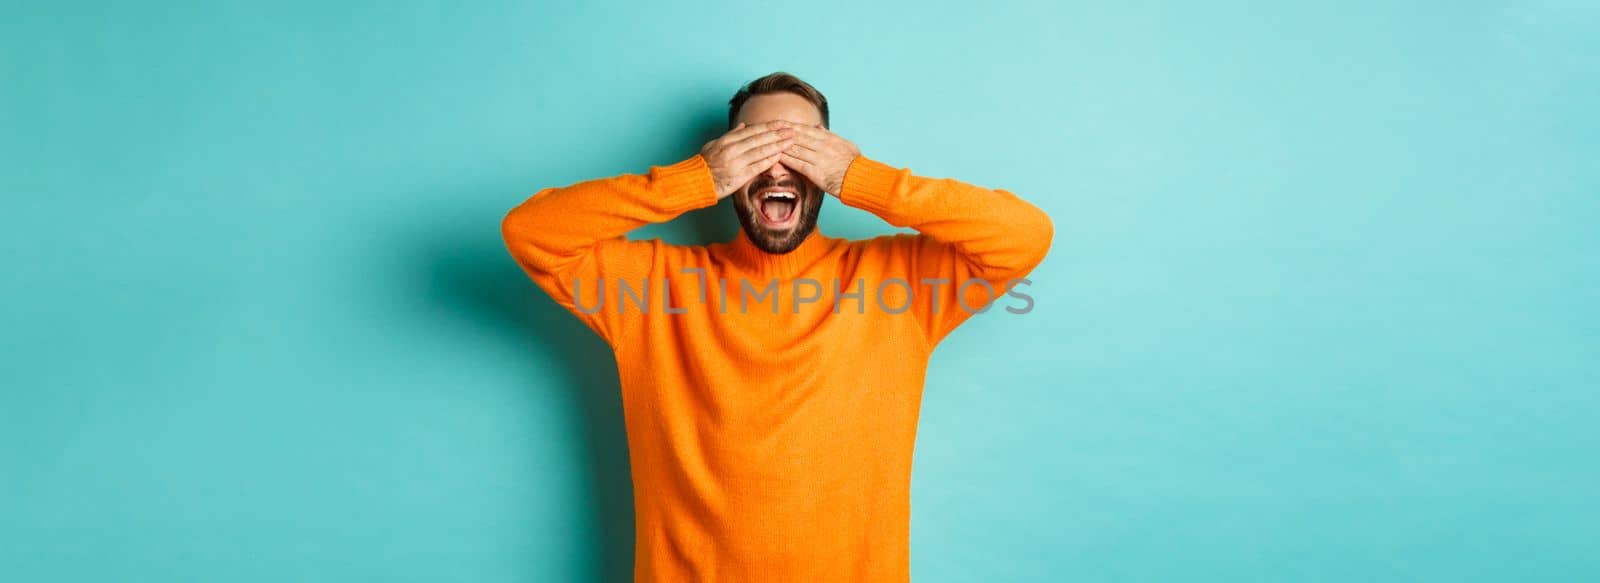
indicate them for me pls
(821, 156)
(744, 152)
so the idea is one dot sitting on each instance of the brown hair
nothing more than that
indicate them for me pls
(777, 83)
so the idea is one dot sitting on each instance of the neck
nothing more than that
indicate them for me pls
(752, 258)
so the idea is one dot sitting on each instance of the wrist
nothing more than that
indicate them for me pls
(836, 184)
(869, 184)
(686, 185)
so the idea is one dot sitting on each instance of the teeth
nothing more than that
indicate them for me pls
(778, 194)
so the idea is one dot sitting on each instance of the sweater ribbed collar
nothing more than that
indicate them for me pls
(751, 258)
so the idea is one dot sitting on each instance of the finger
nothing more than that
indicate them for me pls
(763, 164)
(741, 152)
(748, 171)
(718, 142)
(768, 148)
(799, 165)
(814, 130)
(740, 132)
(760, 139)
(803, 151)
(746, 130)
(811, 157)
(756, 156)
(814, 138)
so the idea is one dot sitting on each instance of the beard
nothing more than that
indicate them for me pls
(778, 241)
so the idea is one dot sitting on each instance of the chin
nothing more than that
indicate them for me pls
(776, 221)
(779, 243)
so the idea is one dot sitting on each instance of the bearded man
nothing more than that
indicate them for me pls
(774, 444)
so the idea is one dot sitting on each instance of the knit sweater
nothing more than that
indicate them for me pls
(771, 434)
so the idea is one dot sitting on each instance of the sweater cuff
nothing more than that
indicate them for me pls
(869, 184)
(685, 186)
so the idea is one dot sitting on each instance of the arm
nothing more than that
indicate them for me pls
(965, 232)
(575, 234)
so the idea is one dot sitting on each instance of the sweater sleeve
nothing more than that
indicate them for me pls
(563, 236)
(966, 233)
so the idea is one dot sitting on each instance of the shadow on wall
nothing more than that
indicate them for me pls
(476, 280)
(470, 276)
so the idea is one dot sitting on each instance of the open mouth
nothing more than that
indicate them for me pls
(778, 207)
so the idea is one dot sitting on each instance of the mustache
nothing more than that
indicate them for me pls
(788, 183)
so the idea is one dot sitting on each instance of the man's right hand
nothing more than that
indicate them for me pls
(744, 152)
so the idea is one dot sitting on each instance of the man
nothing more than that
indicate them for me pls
(771, 433)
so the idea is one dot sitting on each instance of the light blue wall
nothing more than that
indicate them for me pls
(1322, 303)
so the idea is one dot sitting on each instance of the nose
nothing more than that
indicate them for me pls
(776, 173)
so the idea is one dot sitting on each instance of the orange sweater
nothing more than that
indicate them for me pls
(773, 442)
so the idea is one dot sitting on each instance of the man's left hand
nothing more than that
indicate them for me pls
(821, 156)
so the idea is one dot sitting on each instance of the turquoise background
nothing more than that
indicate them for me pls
(1321, 306)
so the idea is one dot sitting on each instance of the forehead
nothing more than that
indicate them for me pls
(783, 105)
